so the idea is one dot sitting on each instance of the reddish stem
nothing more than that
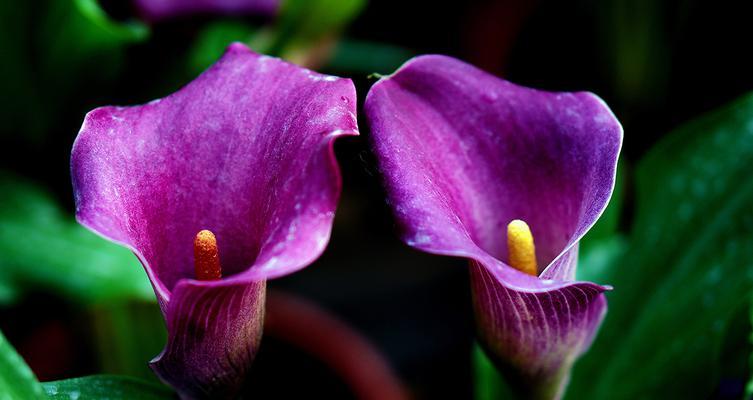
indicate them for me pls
(319, 333)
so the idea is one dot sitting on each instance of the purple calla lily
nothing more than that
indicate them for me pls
(245, 152)
(463, 154)
(156, 10)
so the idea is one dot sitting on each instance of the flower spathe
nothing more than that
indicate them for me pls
(462, 154)
(245, 152)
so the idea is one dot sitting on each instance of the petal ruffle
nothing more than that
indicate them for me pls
(156, 10)
(462, 154)
(245, 150)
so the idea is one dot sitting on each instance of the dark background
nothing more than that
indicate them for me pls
(656, 63)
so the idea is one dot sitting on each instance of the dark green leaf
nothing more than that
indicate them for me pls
(488, 383)
(687, 268)
(53, 50)
(749, 385)
(17, 382)
(303, 23)
(735, 349)
(110, 387)
(43, 247)
(212, 41)
(78, 43)
(356, 56)
(600, 260)
(128, 335)
(8, 291)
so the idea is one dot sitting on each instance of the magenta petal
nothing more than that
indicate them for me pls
(462, 154)
(213, 335)
(155, 10)
(245, 150)
(536, 336)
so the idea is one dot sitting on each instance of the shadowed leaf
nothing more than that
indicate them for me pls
(110, 387)
(43, 247)
(687, 268)
(17, 382)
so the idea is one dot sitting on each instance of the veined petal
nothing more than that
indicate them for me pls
(155, 10)
(536, 336)
(245, 151)
(462, 154)
(213, 336)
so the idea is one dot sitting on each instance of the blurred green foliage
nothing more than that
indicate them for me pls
(51, 50)
(44, 248)
(358, 56)
(686, 270)
(128, 335)
(106, 387)
(749, 386)
(17, 382)
(212, 41)
(307, 32)
(488, 383)
(304, 23)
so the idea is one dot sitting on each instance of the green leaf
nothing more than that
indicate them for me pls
(53, 50)
(357, 56)
(8, 291)
(110, 387)
(687, 268)
(78, 43)
(212, 41)
(734, 353)
(488, 383)
(128, 335)
(302, 23)
(601, 259)
(749, 386)
(17, 382)
(43, 247)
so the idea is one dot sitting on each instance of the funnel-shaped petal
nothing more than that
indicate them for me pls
(245, 151)
(464, 153)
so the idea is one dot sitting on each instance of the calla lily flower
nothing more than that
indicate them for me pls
(509, 178)
(216, 188)
(156, 10)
